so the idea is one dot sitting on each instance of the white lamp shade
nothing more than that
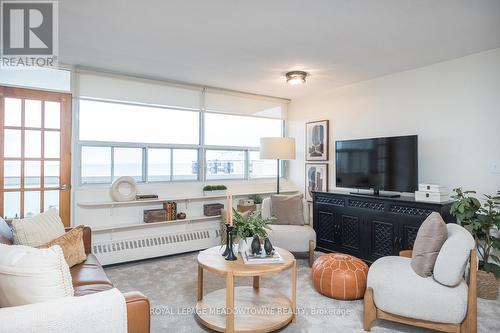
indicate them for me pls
(273, 148)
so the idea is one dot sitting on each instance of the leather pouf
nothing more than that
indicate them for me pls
(340, 276)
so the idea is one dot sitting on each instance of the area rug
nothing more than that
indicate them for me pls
(170, 284)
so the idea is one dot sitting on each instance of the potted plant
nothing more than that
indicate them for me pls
(257, 200)
(483, 221)
(248, 225)
(214, 190)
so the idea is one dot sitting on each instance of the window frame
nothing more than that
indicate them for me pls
(201, 148)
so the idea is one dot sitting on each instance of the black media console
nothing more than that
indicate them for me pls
(370, 227)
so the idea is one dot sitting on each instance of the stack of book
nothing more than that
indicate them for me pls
(171, 210)
(251, 259)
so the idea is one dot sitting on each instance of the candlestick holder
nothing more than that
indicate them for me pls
(226, 251)
(230, 255)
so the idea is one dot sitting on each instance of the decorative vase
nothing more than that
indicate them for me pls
(256, 245)
(487, 285)
(244, 244)
(268, 247)
(258, 207)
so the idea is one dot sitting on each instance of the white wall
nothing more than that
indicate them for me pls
(453, 106)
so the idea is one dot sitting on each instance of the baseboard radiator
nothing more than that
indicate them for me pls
(118, 250)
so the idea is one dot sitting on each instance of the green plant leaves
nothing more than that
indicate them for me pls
(492, 268)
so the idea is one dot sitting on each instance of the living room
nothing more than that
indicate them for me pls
(253, 166)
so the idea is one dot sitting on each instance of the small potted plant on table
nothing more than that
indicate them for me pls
(483, 221)
(248, 225)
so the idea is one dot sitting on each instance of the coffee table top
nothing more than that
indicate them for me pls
(212, 260)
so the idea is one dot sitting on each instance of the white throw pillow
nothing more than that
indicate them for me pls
(5, 232)
(39, 229)
(30, 275)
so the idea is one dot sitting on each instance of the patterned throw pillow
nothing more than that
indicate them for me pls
(38, 229)
(72, 245)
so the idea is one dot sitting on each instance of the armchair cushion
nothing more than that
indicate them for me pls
(397, 289)
(454, 256)
(294, 238)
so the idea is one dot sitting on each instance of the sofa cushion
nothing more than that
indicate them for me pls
(430, 237)
(89, 272)
(454, 255)
(30, 275)
(287, 209)
(397, 289)
(5, 232)
(39, 229)
(88, 289)
(294, 238)
(72, 246)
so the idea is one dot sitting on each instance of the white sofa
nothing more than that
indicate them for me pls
(443, 301)
(294, 238)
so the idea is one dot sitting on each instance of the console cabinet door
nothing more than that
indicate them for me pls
(326, 226)
(383, 233)
(350, 233)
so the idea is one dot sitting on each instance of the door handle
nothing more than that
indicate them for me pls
(64, 187)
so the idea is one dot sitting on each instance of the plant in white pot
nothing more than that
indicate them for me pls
(214, 190)
(248, 225)
(483, 221)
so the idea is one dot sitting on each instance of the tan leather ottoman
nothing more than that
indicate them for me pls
(340, 276)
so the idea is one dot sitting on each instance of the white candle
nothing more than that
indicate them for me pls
(230, 205)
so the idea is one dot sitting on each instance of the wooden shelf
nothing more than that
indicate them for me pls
(111, 204)
(155, 224)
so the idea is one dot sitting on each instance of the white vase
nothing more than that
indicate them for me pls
(244, 244)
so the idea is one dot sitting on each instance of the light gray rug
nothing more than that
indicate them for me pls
(170, 284)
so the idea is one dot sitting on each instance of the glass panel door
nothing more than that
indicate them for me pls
(35, 152)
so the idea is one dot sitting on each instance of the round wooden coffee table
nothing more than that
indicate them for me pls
(244, 309)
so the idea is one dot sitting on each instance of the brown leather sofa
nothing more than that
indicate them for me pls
(89, 277)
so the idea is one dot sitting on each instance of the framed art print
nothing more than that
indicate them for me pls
(317, 141)
(316, 178)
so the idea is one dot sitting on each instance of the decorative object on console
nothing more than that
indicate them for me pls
(481, 221)
(124, 189)
(214, 190)
(317, 140)
(155, 215)
(181, 216)
(316, 179)
(212, 209)
(432, 193)
(146, 196)
(171, 210)
(256, 247)
(340, 276)
(277, 148)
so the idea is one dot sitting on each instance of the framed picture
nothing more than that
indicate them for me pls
(316, 178)
(317, 141)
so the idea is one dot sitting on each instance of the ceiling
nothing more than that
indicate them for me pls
(248, 45)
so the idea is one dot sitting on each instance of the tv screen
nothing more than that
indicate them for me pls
(389, 164)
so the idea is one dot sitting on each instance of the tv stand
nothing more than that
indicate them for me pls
(370, 227)
(376, 193)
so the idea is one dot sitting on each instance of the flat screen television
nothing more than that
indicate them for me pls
(381, 164)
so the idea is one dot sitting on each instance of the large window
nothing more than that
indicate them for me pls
(164, 144)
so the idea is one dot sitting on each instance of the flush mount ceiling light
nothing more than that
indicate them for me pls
(296, 77)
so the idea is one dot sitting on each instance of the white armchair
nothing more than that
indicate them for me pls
(443, 302)
(294, 238)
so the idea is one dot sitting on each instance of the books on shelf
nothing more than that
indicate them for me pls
(251, 259)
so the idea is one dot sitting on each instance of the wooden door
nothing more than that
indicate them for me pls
(326, 227)
(35, 152)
